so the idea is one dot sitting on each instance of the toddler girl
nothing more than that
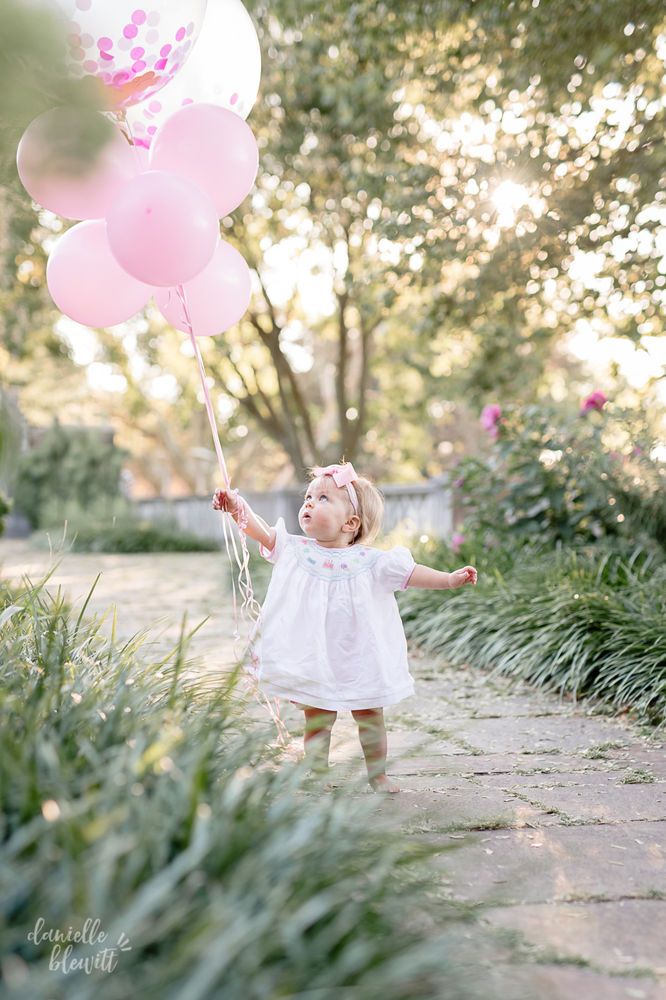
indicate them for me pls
(331, 634)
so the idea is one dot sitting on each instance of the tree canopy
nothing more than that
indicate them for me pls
(447, 193)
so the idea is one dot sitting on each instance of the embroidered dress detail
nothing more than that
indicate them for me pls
(330, 634)
(334, 564)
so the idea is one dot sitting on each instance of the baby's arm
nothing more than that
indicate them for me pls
(256, 526)
(432, 579)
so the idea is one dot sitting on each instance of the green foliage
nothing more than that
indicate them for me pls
(10, 446)
(152, 803)
(565, 525)
(129, 534)
(10, 441)
(642, 498)
(111, 525)
(463, 97)
(69, 464)
(5, 507)
(587, 176)
(34, 75)
(587, 621)
(552, 477)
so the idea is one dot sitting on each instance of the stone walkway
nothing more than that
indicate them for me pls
(151, 592)
(560, 820)
(556, 816)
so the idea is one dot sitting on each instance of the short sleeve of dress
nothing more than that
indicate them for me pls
(393, 569)
(272, 555)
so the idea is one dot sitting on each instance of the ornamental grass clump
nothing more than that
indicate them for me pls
(587, 621)
(133, 795)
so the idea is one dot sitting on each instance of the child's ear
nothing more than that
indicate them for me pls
(354, 522)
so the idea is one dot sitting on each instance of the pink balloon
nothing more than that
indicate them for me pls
(216, 298)
(162, 228)
(56, 173)
(87, 283)
(212, 146)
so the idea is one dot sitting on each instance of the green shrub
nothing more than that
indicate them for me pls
(68, 465)
(152, 803)
(5, 507)
(131, 535)
(125, 535)
(110, 525)
(553, 478)
(10, 447)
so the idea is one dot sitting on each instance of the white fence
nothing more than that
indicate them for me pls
(426, 508)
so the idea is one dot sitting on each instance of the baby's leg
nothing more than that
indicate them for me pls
(317, 736)
(372, 734)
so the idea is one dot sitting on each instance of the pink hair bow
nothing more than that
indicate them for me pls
(343, 475)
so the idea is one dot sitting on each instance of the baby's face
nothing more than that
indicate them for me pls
(325, 509)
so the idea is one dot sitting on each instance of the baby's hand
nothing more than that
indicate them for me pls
(460, 577)
(225, 500)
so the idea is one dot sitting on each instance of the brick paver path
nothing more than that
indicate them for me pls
(558, 815)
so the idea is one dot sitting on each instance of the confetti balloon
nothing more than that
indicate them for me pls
(132, 47)
(224, 69)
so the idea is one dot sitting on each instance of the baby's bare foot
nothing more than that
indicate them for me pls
(383, 784)
(318, 780)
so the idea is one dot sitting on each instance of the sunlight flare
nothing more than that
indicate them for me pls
(508, 197)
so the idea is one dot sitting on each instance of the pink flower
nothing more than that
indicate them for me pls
(458, 483)
(457, 541)
(490, 417)
(595, 401)
(637, 450)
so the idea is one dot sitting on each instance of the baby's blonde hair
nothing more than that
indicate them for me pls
(370, 508)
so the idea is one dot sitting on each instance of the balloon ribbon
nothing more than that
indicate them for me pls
(244, 581)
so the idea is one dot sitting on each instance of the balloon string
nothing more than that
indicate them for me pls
(250, 603)
(180, 291)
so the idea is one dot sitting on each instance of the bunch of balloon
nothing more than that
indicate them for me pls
(147, 206)
(151, 226)
(151, 218)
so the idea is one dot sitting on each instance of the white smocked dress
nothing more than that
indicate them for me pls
(330, 634)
